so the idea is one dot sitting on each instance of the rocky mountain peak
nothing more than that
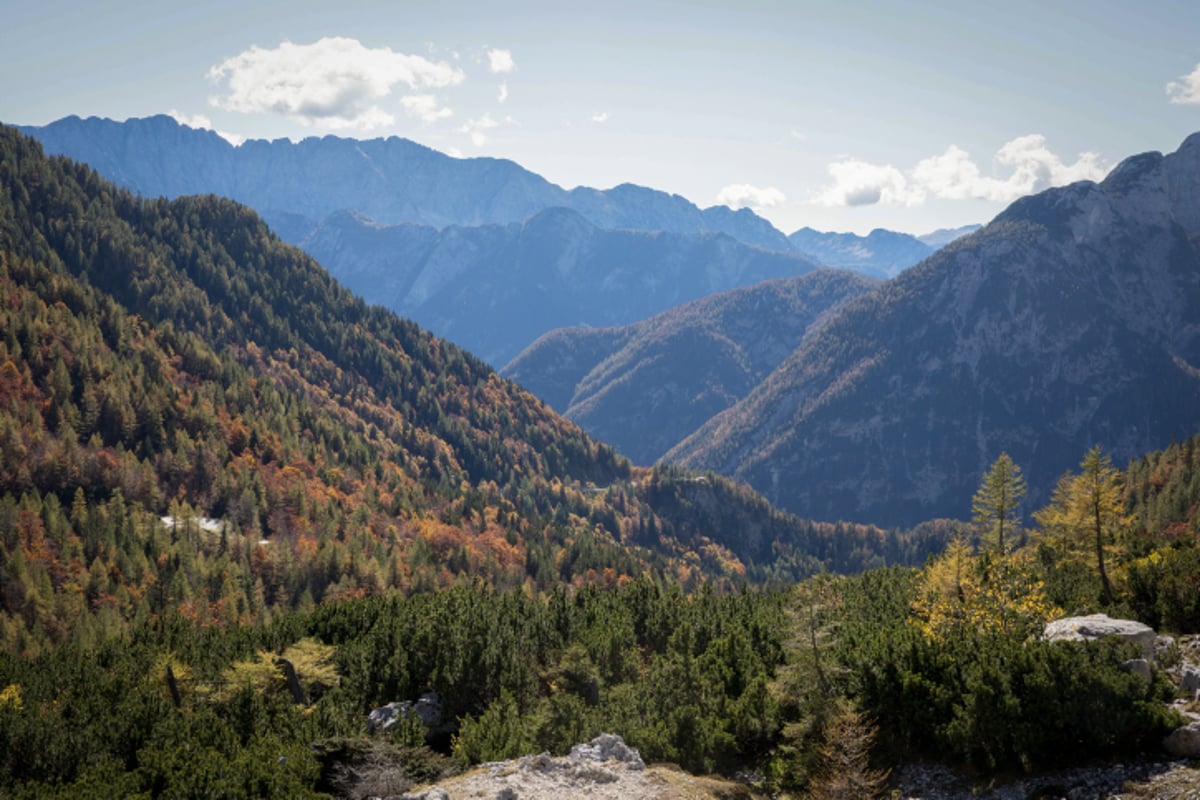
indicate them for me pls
(1073, 319)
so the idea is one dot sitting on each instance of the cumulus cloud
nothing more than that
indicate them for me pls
(201, 122)
(334, 82)
(198, 121)
(859, 183)
(743, 195)
(1028, 165)
(600, 117)
(500, 61)
(425, 106)
(503, 93)
(1186, 90)
(477, 128)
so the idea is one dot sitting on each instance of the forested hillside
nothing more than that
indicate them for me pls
(790, 689)
(643, 387)
(195, 416)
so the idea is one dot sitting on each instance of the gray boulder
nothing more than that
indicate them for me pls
(1138, 666)
(1184, 742)
(427, 708)
(1098, 626)
(1190, 681)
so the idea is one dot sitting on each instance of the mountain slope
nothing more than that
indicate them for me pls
(196, 419)
(493, 289)
(295, 186)
(1072, 319)
(644, 387)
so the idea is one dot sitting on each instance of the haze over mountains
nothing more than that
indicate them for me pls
(494, 289)
(389, 180)
(442, 240)
(879, 254)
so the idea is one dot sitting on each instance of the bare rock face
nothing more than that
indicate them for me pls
(1071, 320)
(1098, 626)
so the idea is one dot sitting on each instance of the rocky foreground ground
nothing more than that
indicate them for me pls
(604, 769)
(607, 769)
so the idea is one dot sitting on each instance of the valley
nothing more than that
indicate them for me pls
(745, 527)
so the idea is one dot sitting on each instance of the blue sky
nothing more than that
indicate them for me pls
(841, 116)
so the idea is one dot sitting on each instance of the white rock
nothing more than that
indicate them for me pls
(1098, 626)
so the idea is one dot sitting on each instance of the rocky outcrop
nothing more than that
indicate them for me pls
(604, 769)
(1094, 627)
(427, 708)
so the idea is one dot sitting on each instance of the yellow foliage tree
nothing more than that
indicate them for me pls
(1087, 512)
(989, 594)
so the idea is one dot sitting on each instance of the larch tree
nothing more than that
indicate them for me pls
(995, 506)
(1088, 510)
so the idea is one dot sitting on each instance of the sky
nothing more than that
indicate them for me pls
(841, 116)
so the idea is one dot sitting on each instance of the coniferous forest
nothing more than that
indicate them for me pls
(239, 509)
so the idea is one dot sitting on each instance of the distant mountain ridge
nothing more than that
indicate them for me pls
(1072, 319)
(879, 254)
(494, 289)
(389, 180)
(643, 387)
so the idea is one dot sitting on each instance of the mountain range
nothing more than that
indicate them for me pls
(295, 185)
(494, 289)
(479, 251)
(1055, 327)
(646, 386)
(1071, 320)
(881, 253)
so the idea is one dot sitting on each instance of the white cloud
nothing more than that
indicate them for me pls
(858, 183)
(198, 121)
(1030, 167)
(743, 195)
(475, 128)
(600, 117)
(424, 106)
(1186, 90)
(500, 61)
(503, 93)
(201, 122)
(334, 82)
